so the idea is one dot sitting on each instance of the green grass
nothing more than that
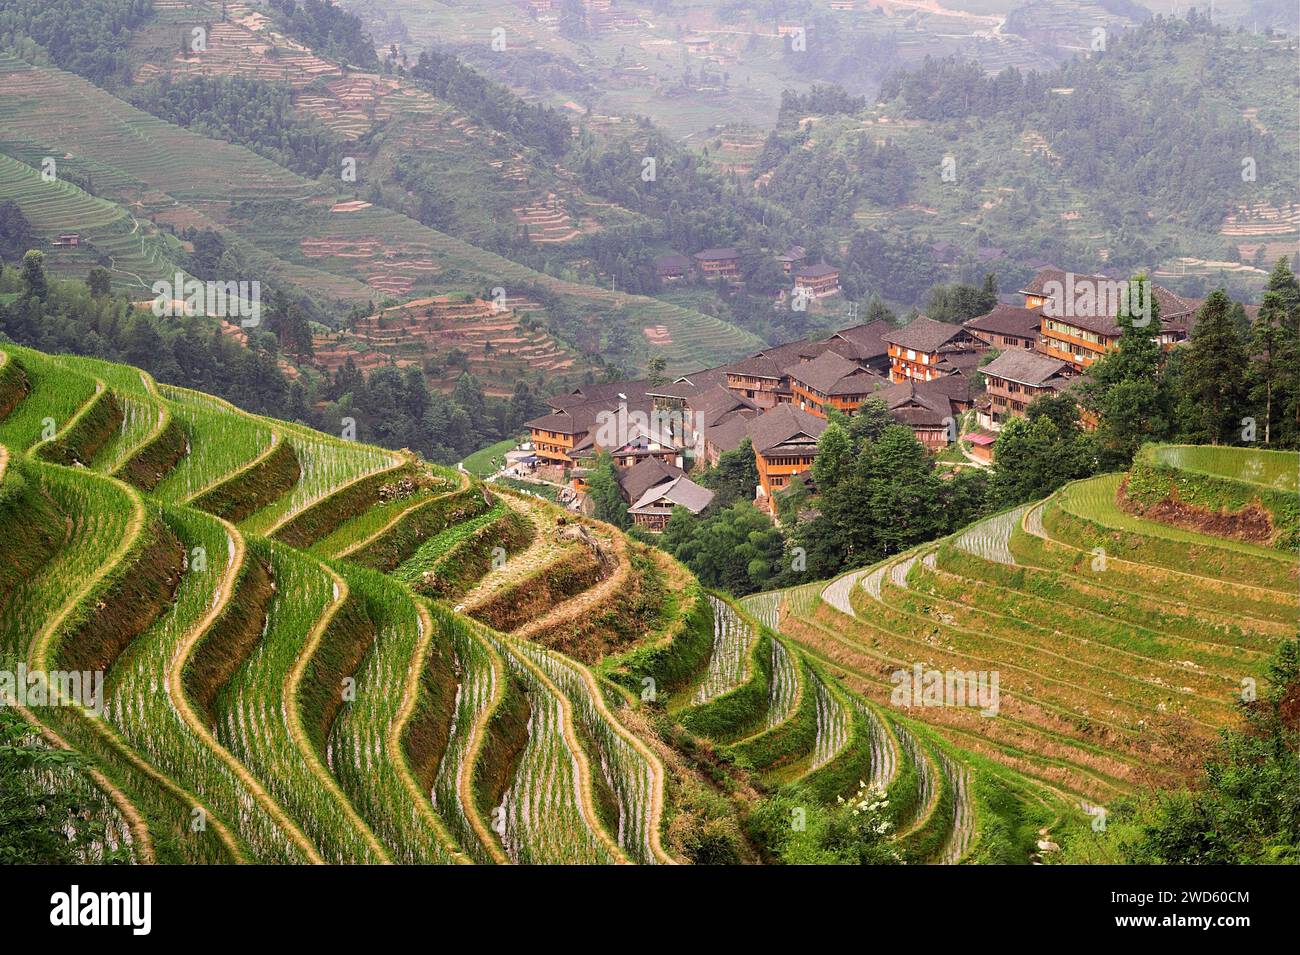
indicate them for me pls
(481, 464)
(56, 395)
(1275, 469)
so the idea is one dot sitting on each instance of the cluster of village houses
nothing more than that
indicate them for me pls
(927, 373)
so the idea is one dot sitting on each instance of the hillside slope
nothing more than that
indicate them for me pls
(311, 235)
(331, 653)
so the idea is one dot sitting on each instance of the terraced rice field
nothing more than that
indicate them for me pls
(216, 448)
(56, 394)
(273, 703)
(1103, 666)
(326, 464)
(729, 661)
(362, 256)
(1094, 500)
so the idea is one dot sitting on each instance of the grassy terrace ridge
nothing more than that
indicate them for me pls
(238, 193)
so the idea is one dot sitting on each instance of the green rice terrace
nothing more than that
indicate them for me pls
(318, 651)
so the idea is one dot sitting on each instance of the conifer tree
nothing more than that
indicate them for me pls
(1213, 381)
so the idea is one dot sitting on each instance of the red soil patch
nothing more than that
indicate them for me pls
(1252, 523)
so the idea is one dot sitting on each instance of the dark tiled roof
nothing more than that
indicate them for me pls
(603, 391)
(955, 386)
(577, 419)
(729, 433)
(1048, 273)
(713, 255)
(709, 406)
(773, 362)
(821, 270)
(674, 262)
(778, 425)
(644, 475)
(866, 339)
(684, 386)
(956, 361)
(1175, 311)
(1025, 367)
(1008, 320)
(916, 403)
(833, 374)
(755, 366)
(680, 490)
(923, 334)
(793, 352)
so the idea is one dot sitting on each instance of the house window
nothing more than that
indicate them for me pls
(911, 355)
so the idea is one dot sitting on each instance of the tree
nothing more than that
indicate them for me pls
(16, 235)
(603, 491)
(1127, 392)
(99, 281)
(1265, 372)
(734, 478)
(886, 499)
(1039, 453)
(1213, 374)
(834, 456)
(34, 274)
(1283, 300)
(656, 366)
(957, 303)
(735, 549)
(42, 824)
(870, 422)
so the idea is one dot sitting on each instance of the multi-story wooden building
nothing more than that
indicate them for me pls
(817, 281)
(832, 381)
(791, 257)
(864, 345)
(1016, 378)
(1081, 330)
(925, 349)
(764, 377)
(928, 408)
(671, 267)
(785, 444)
(718, 263)
(568, 436)
(558, 437)
(1008, 326)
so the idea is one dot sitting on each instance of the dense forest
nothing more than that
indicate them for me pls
(1185, 162)
(252, 113)
(448, 78)
(328, 29)
(87, 37)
